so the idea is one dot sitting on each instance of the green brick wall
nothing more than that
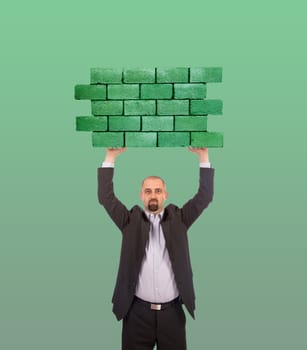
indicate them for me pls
(150, 107)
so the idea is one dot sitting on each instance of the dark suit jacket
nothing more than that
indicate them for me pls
(135, 229)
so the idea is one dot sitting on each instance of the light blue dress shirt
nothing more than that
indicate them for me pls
(156, 282)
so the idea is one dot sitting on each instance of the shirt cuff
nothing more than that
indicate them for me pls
(205, 165)
(107, 165)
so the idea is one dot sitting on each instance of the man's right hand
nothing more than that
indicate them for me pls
(112, 153)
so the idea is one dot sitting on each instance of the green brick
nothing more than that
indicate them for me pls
(206, 75)
(108, 139)
(173, 139)
(117, 92)
(91, 123)
(141, 139)
(190, 123)
(90, 92)
(206, 139)
(165, 123)
(156, 91)
(139, 75)
(106, 75)
(173, 107)
(199, 107)
(191, 91)
(120, 123)
(173, 75)
(107, 107)
(140, 107)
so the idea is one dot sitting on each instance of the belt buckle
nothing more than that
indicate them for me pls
(156, 307)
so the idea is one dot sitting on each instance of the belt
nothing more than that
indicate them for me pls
(156, 306)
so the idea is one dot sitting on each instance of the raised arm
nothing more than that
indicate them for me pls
(202, 153)
(112, 153)
(194, 207)
(114, 207)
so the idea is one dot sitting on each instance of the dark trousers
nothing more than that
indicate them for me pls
(144, 328)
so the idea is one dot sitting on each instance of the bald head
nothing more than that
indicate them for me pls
(153, 177)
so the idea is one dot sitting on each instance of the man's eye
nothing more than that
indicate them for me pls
(147, 191)
(158, 190)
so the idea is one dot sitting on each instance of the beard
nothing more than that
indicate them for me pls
(153, 205)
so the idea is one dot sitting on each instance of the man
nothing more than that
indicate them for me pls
(155, 275)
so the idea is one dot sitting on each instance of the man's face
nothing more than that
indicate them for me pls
(153, 195)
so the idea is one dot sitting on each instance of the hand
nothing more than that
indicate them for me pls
(113, 152)
(202, 153)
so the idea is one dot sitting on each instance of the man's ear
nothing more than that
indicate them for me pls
(166, 195)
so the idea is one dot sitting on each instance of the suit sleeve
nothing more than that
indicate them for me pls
(114, 207)
(194, 207)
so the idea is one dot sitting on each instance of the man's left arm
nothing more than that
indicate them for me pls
(194, 207)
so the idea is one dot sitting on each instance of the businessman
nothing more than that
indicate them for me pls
(155, 275)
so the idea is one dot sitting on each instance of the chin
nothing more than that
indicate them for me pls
(153, 208)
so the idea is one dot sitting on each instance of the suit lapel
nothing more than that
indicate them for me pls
(166, 227)
(144, 235)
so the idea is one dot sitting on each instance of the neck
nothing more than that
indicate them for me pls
(154, 212)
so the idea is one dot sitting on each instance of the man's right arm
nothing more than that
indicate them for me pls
(114, 207)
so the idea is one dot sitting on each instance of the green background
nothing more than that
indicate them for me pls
(59, 251)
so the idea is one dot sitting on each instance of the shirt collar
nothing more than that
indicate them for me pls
(160, 215)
